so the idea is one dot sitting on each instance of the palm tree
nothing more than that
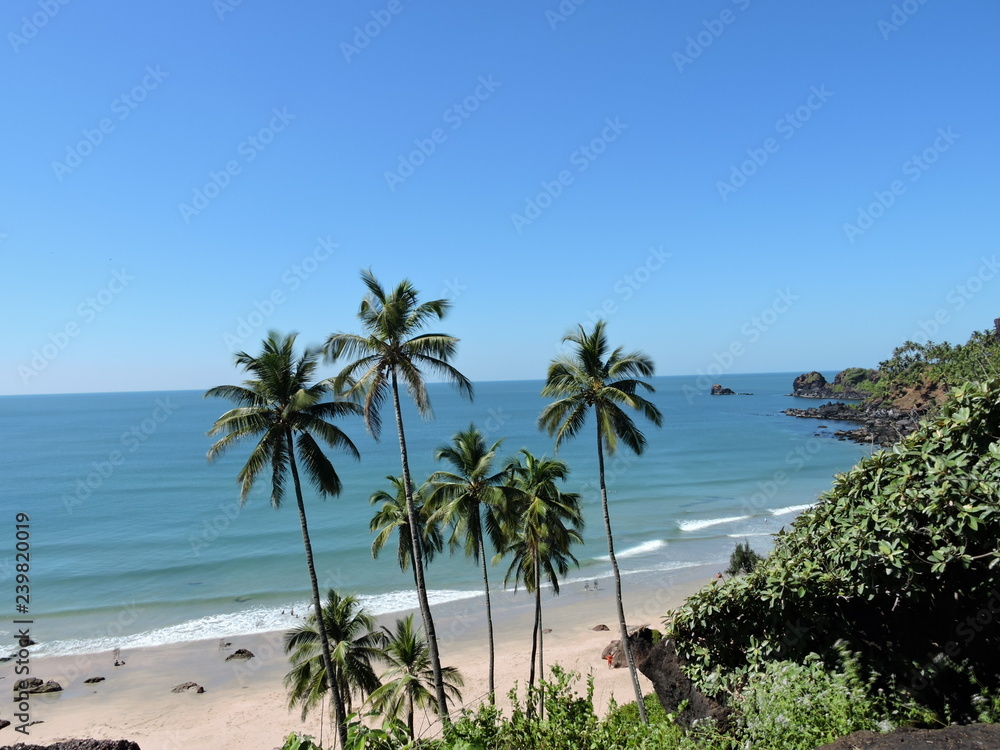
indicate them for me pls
(408, 681)
(468, 498)
(392, 517)
(285, 413)
(593, 377)
(356, 644)
(540, 529)
(392, 349)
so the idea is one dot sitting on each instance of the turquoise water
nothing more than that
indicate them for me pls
(137, 540)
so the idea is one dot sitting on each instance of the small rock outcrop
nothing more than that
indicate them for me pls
(188, 687)
(974, 737)
(718, 390)
(93, 680)
(240, 653)
(601, 628)
(34, 685)
(660, 663)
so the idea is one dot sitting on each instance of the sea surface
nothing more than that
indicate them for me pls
(137, 540)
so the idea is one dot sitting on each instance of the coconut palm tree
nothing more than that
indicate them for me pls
(392, 517)
(356, 643)
(391, 350)
(469, 498)
(409, 680)
(540, 527)
(285, 413)
(607, 382)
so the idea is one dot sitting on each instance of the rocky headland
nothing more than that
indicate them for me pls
(880, 420)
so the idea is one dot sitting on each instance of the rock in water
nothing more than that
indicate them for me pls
(718, 390)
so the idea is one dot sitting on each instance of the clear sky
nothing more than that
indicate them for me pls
(736, 185)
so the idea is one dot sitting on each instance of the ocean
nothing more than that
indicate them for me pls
(137, 540)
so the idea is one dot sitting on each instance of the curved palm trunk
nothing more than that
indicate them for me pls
(331, 681)
(622, 627)
(534, 639)
(489, 619)
(418, 562)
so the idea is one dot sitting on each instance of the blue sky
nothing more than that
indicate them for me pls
(736, 185)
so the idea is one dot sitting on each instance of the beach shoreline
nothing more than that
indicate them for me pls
(245, 701)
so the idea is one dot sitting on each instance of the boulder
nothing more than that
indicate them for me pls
(35, 685)
(974, 737)
(188, 687)
(718, 390)
(240, 653)
(92, 680)
(661, 664)
(810, 385)
(601, 628)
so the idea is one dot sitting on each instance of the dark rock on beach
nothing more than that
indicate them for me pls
(240, 653)
(188, 687)
(93, 680)
(34, 685)
(80, 745)
(974, 737)
(600, 627)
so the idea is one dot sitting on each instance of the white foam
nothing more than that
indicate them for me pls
(789, 509)
(740, 536)
(706, 522)
(639, 549)
(234, 624)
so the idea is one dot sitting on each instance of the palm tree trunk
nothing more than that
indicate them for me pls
(622, 627)
(489, 619)
(331, 681)
(541, 642)
(534, 642)
(418, 562)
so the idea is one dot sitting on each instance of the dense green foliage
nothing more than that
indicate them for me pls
(913, 363)
(899, 561)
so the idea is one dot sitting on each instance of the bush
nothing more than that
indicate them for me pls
(791, 706)
(743, 559)
(899, 560)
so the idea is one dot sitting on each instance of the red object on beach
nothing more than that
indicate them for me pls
(609, 658)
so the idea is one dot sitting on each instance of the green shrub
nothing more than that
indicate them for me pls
(743, 559)
(899, 560)
(791, 706)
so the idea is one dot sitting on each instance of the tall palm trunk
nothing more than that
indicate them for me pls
(489, 618)
(534, 636)
(418, 562)
(541, 642)
(331, 681)
(622, 627)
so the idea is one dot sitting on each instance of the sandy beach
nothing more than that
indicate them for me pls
(245, 702)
